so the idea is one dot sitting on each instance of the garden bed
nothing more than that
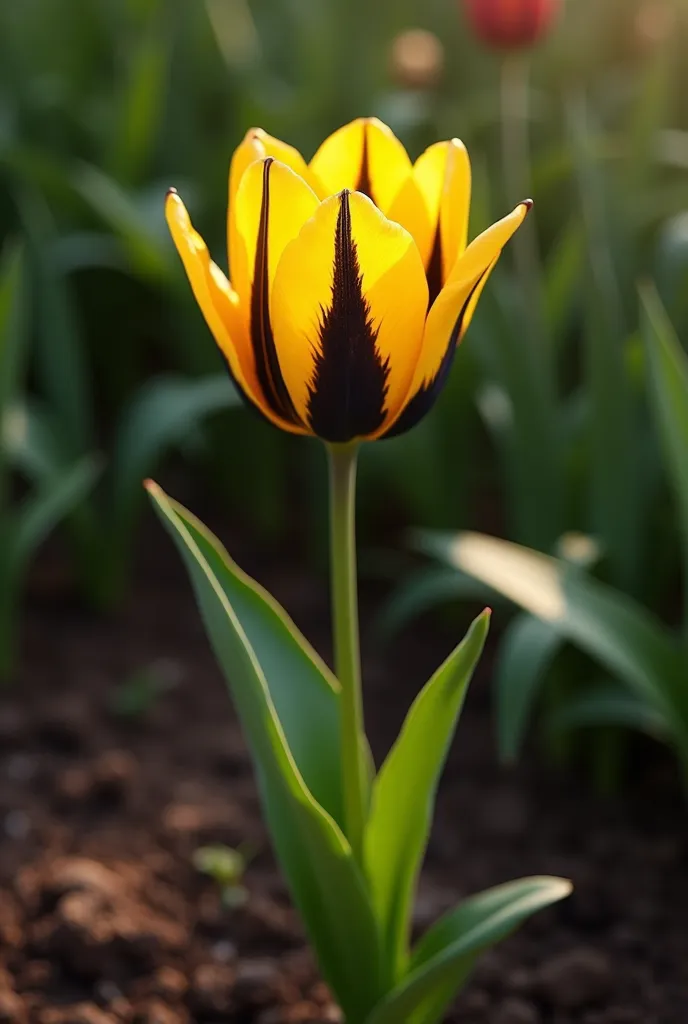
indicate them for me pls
(103, 917)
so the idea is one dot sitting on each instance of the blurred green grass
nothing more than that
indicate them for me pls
(104, 103)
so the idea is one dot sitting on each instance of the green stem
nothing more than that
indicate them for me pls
(342, 458)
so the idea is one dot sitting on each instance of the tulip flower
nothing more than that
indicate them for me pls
(351, 287)
(351, 281)
(511, 24)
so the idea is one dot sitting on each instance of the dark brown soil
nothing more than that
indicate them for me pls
(103, 917)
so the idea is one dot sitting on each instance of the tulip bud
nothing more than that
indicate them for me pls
(510, 24)
(417, 59)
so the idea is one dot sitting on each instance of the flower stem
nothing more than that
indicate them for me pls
(342, 459)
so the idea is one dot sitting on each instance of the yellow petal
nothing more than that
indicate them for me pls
(347, 308)
(442, 175)
(256, 145)
(271, 198)
(272, 204)
(219, 304)
(409, 209)
(451, 313)
(363, 155)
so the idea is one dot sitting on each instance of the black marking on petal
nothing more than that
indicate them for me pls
(348, 388)
(434, 271)
(267, 364)
(364, 183)
(427, 394)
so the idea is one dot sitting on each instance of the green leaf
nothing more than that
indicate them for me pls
(668, 364)
(63, 370)
(13, 333)
(404, 794)
(609, 705)
(288, 705)
(526, 652)
(562, 279)
(424, 590)
(519, 408)
(115, 207)
(606, 624)
(444, 957)
(13, 343)
(39, 513)
(161, 414)
(614, 480)
(140, 106)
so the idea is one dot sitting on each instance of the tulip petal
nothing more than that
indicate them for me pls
(442, 178)
(450, 315)
(256, 145)
(366, 156)
(219, 304)
(348, 306)
(272, 204)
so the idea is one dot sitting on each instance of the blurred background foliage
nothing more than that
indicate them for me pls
(545, 435)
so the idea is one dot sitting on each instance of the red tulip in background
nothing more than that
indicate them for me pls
(510, 24)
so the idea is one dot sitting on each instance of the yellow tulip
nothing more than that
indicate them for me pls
(352, 284)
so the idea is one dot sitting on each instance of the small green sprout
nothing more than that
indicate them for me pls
(226, 866)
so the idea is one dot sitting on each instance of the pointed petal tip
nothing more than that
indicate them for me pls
(528, 203)
(150, 485)
(171, 192)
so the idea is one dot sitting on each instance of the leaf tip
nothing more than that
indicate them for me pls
(151, 486)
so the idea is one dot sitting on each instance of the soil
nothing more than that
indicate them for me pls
(105, 919)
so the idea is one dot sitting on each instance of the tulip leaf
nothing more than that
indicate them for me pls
(13, 344)
(40, 512)
(288, 705)
(62, 364)
(422, 592)
(609, 705)
(444, 957)
(161, 414)
(527, 650)
(404, 792)
(668, 364)
(609, 626)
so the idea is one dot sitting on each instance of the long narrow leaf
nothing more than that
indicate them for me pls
(614, 489)
(526, 652)
(161, 414)
(608, 625)
(61, 358)
(287, 704)
(445, 956)
(44, 509)
(423, 591)
(668, 365)
(13, 343)
(609, 705)
(404, 793)
(140, 107)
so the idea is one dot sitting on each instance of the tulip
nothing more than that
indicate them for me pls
(352, 283)
(352, 286)
(510, 24)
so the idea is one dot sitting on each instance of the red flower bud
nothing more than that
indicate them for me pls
(510, 24)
